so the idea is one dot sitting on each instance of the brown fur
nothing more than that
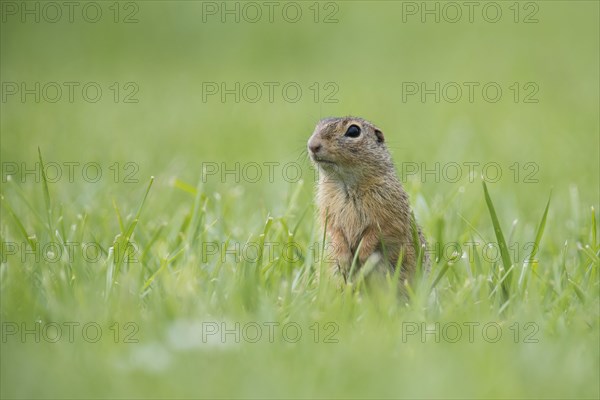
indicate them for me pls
(361, 198)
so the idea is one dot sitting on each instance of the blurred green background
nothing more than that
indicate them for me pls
(360, 61)
(367, 54)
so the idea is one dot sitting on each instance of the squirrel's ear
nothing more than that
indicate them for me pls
(379, 135)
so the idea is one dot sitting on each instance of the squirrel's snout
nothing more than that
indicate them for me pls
(315, 147)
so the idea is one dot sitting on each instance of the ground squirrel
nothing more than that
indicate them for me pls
(360, 198)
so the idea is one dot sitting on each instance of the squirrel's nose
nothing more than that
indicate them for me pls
(314, 147)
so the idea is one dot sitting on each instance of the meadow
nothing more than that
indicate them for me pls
(158, 231)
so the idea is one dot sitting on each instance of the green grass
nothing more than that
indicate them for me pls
(172, 254)
(548, 318)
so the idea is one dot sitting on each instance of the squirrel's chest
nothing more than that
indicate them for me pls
(344, 211)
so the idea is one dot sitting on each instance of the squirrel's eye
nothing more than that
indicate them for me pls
(353, 131)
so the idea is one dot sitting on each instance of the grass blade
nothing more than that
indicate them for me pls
(119, 218)
(540, 231)
(46, 193)
(594, 230)
(440, 275)
(197, 216)
(261, 244)
(355, 260)
(536, 244)
(186, 187)
(122, 245)
(20, 226)
(505, 255)
(320, 272)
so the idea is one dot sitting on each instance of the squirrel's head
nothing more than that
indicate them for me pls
(348, 146)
